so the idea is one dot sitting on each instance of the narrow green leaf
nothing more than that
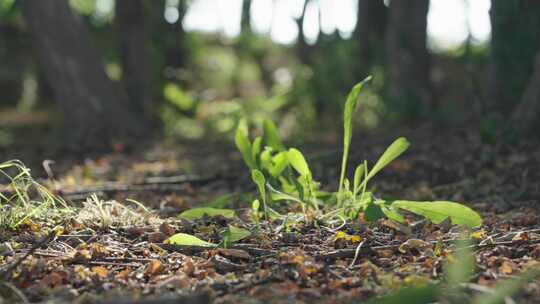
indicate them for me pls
(243, 145)
(256, 148)
(438, 211)
(350, 106)
(271, 135)
(260, 181)
(183, 239)
(298, 162)
(358, 172)
(196, 213)
(392, 152)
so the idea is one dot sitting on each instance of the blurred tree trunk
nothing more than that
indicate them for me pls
(245, 22)
(370, 29)
(95, 110)
(132, 34)
(515, 39)
(526, 116)
(177, 52)
(408, 61)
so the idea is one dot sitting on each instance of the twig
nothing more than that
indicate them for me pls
(151, 183)
(356, 253)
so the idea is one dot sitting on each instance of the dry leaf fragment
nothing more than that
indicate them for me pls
(506, 267)
(166, 229)
(154, 267)
(417, 244)
(55, 279)
(100, 272)
(234, 253)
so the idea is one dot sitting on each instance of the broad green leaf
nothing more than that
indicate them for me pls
(373, 212)
(350, 106)
(196, 213)
(438, 211)
(256, 148)
(280, 163)
(298, 162)
(358, 172)
(236, 234)
(392, 214)
(260, 181)
(271, 135)
(183, 239)
(243, 145)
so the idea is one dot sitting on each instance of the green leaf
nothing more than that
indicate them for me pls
(281, 162)
(243, 145)
(260, 181)
(255, 205)
(438, 211)
(392, 152)
(298, 162)
(256, 148)
(235, 234)
(196, 213)
(357, 177)
(392, 214)
(373, 212)
(350, 106)
(183, 239)
(271, 135)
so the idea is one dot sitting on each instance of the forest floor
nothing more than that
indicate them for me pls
(112, 250)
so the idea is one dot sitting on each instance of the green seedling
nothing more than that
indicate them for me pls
(287, 176)
(196, 213)
(229, 236)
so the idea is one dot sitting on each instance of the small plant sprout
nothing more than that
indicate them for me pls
(287, 176)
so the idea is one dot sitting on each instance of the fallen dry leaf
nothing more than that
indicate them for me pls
(154, 267)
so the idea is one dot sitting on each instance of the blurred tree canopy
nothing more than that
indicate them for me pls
(128, 69)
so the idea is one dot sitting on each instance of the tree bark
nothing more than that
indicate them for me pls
(515, 39)
(526, 116)
(407, 58)
(372, 16)
(96, 111)
(132, 34)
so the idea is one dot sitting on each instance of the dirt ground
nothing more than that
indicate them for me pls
(113, 250)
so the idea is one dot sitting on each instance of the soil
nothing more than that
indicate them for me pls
(122, 256)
